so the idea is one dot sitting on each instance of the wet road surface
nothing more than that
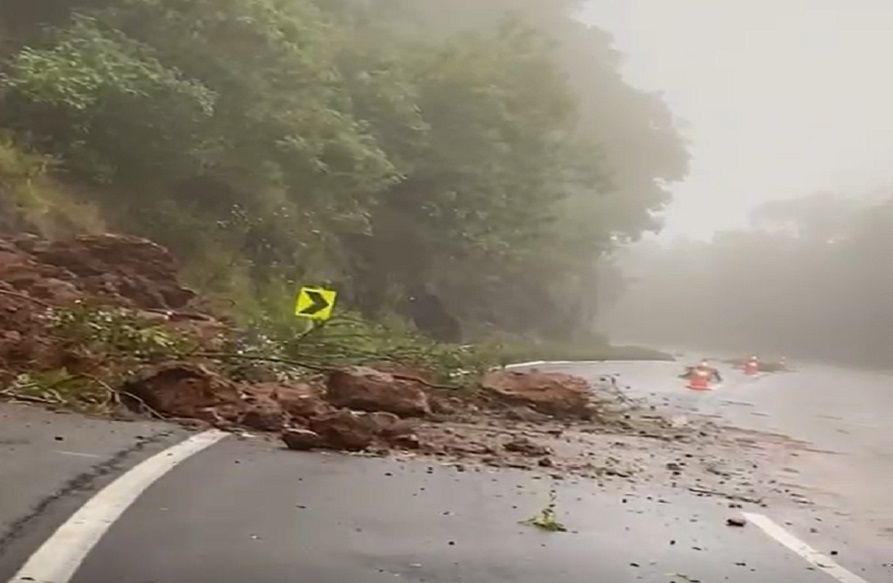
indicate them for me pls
(244, 510)
(277, 517)
(51, 463)
(842, 413)
(838, 410)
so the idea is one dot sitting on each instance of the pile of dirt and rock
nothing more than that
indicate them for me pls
(361, 408)
(37, 276)
(115, 269)
(511, 418)
(355, 409)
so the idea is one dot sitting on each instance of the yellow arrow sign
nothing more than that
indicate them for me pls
(315, 303)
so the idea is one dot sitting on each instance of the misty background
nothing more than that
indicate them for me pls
(780, 239)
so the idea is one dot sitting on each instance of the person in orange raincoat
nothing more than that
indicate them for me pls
(704, 365)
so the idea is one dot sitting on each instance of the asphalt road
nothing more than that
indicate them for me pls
(838, 410)
(51, 463)
(244, 510)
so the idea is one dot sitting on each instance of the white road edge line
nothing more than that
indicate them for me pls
(806, 552)
(57, 560)
(524, 364)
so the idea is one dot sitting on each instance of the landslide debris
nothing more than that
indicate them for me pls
(116, 269)
(102, 323)
(107, 316)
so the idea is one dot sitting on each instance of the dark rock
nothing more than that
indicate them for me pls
(344, 429)
(301, 439)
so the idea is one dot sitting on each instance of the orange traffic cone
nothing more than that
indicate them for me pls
(752, 366)
(699, 379)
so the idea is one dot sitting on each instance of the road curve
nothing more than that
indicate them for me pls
(246, 510)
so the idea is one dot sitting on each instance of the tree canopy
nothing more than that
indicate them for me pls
(488, 157)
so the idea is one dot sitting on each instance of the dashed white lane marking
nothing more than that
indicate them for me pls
(806, 552)
(60, 556)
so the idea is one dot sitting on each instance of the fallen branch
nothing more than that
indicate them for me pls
(44, 389)
(143, 404)
(260, 358)
(308, 366)
(117, 393)
(613, 389)
(28, 398)
(25, 297)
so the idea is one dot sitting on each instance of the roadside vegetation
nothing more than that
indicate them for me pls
(463, 176)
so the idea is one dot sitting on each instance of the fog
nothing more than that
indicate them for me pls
(778, 98)
(811, 279)
(779, 239)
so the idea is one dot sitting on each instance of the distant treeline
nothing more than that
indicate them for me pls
(814, 279)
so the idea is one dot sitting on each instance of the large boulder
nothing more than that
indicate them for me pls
(344, 429)
(555, 394)
(367, 389)
(180, 389)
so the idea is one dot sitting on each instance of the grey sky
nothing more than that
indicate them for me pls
(778, 97)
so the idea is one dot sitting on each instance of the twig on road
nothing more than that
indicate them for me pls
(28, 398)
(736, 497)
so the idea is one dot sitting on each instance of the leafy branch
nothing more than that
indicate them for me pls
(547, 519)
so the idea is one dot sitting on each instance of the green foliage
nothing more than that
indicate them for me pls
(94, 94)
(107, 331)
(16, 164)
(60, 388)
(350, 339)
(271, 142)
(547, 519)
(31, 200)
